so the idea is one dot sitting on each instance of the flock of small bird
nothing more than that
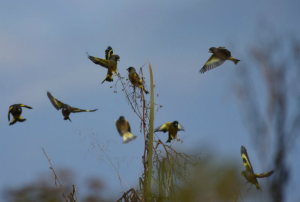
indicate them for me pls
(218, 57)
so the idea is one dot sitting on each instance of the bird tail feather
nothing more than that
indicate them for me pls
(108, 78)
(144, 90)
(21, 119)
(234, 60)
(258, 187)
(127, 137)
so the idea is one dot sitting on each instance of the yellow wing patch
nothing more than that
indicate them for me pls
(213, 62)
(246, 160)
(180, 127)
(264, 174)
(108, 53)
(163, 128)
(75, 110)
(22, 105)
(56, 103)
(99, 61)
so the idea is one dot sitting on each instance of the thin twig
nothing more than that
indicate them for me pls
(56, 178)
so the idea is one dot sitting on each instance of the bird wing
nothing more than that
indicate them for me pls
(108, 52)
(180, 127)
(225, 51)
(22, 105)
(137, 78)
(117, 126)
(56, 103)
(264, 174)
(213, 62)
(108, 77)
(10, 108)
(98, 61)
(246, 160)
(163, 128)
(76, 110)
(128, 125)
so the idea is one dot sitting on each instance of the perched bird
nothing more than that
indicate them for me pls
(66, 109)
(172, 128)
(124, 130)
(249, 173)
(16, 111)
(110, 62)
(135, 79)
(219, 56)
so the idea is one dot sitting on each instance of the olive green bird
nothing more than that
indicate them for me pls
(16, 111)
(172, 128)
(249, 173)
(124, 130)
(66, 109)
(110, 62)
(219, 56)
(135, 80)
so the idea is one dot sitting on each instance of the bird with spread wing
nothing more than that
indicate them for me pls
(66, 109)
(219, 56)
(249, 173)
(172, 128)
(16, 111)
(110, 62)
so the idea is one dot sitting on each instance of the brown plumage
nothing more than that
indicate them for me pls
(135, 80)
(124, 130)
(220, 55)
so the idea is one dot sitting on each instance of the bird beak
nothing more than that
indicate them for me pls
(118, 59)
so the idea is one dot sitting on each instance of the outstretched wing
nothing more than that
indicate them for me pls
(10, 108)
(180, 128)
(213, 62)
(246, 160)
(163, 128)
(108, 52)
(75, 110)
(264, 174)
(56, 103)
(22, 105)
(98, 61)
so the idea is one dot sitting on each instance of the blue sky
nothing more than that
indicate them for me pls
(43, 47)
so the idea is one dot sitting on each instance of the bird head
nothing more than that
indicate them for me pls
(175, 123)
(212, 50)
(131, 69)
(115, 58)
(122, 118)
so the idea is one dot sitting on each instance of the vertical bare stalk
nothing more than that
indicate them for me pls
(150, 142)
